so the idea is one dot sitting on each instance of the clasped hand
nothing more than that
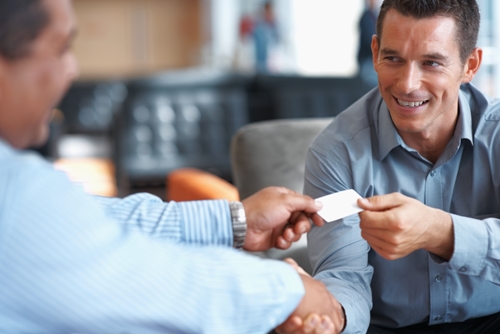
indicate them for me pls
(318, 312)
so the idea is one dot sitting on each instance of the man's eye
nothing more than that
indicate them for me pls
(431, 63)
(391, 58)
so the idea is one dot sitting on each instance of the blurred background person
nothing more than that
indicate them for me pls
(266, 37)
(367, 25)
(244, 58)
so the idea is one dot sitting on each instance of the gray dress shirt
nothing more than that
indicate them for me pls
(362, 150)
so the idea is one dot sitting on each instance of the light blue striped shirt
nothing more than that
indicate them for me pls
(74, 263)
(361, 149)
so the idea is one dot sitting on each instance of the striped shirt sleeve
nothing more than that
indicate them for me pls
(196, 222)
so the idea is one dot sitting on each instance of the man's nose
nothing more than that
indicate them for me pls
(409, 78)
(73, 70)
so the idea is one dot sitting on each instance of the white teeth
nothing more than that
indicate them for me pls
(410, 104)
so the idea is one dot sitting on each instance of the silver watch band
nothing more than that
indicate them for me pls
(239, 221)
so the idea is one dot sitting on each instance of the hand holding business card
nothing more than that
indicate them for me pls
(339, 205)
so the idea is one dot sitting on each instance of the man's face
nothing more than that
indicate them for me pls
(420, 72)
(31, 86)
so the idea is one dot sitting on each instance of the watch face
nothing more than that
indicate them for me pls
(239, 221)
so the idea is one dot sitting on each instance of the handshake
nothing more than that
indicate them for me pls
(328, 316)
(277, 217)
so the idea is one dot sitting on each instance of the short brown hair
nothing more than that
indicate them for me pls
(464, 12)
(21, 21)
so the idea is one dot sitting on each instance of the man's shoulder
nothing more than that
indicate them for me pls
(354, 123)
(11, 157)
(481, 104)
(22, 164)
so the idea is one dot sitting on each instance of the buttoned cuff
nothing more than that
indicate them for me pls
(357, 321)
(353, 324)
(470, 246)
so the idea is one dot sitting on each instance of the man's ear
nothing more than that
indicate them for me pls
(3, 68)
(375, 49)
(472, 65)
(5, 65)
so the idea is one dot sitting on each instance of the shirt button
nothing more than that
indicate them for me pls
(433, 173)
(437, 318)
(463, 269)
(437, 278)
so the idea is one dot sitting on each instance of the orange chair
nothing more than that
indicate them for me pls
(191, 184)
(97, 176)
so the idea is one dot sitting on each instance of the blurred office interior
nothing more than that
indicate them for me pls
(165, 84)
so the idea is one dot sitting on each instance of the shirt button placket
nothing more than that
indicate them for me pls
(437, 274)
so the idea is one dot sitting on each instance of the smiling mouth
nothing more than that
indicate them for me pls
(411, 104)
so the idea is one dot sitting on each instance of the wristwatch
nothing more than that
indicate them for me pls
(239, 221)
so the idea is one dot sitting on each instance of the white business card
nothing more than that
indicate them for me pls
(339, 205)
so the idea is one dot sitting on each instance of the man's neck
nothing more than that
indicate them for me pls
(430, 143)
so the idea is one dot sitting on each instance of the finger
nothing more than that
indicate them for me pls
(291, 262)
(383, 248)
(378, 220)
(290, 235)
(296, 266)
(301, 224)
(326, 326)
(284, 190)
(370, 221)
(317, 220)
(381, 202)
(298, 224)
(311, 322)
(292, 324)
(295, 216)
(293, 233)
(375, 240)
(299, 202)
(281, 243)
(380, 226)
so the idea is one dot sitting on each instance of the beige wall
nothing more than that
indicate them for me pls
(122, 38)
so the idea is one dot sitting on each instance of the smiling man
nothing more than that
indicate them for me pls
(424, 150)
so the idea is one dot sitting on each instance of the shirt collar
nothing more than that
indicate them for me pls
(464, 124)
(387, 134)
(4, 146)
(389, 138)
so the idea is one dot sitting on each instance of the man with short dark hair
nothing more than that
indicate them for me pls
(73, 263)
(422, 149)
